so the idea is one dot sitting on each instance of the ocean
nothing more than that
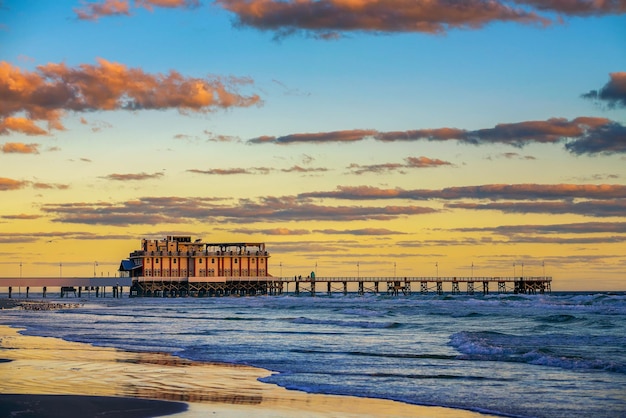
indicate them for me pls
(554, 355)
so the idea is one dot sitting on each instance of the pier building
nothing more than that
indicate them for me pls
(176, 266)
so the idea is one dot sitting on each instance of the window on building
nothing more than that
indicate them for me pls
(174, 261)
(236, 261)
(156, 260)
(200, 261)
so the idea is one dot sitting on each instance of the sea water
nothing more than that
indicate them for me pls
(552, 355)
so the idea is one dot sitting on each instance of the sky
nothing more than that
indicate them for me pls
(353, 137)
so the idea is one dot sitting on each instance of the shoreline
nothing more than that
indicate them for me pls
(88, 376)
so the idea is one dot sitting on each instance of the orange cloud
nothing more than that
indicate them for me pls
(21, 216)
(23, 125)
(327, 18)
(424, 162)
(20, 148)
(11, 184)
(587, 135)
(51, 90)
(7, 184)
(94, 11)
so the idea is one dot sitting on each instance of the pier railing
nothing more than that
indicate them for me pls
(254, 285)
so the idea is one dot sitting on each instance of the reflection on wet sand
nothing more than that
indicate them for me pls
(40, 365)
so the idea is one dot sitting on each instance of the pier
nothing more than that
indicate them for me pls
(65, 286)
(268, 285)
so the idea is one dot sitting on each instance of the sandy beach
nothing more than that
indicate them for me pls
(97, 381)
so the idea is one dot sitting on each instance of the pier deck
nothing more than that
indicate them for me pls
(268, 285)
(248, 286)
(67, 285)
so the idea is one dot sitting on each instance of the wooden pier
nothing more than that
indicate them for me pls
(267, 285)
(65, 286)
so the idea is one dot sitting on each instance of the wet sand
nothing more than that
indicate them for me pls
(96, 381)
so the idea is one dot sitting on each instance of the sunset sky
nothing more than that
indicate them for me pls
(384, 136)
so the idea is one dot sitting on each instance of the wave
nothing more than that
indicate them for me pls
(377, 354)
(545, 350)
(560, 319)
(345, 323)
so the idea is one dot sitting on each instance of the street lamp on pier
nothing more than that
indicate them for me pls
(437, 267)
(394, 269)
(95, 264)
(358, 274)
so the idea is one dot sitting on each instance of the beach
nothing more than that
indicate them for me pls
(50, 377)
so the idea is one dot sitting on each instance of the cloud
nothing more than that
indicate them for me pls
(155, 210)
(327, 19)
(570, 228)
(364, 231)
(613, 92)
(271, 231)
(211, 137)
(96, 10)
(304, 170)
(21, 216)
(133, 177)
(424, 162)
(582, 135)
(53, 89)
(18, 124)
(7, 184)
(578, 7)
(375, 168)
(488, 191)
(11, 184)
(256, 170)
(410, 162)
(512, 156)
(20, 148)
(603, 208)
(232, 171)
(317, 138)
(607, 139)
(18, 237)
